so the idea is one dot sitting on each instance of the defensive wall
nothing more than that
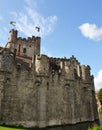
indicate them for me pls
(40, 91)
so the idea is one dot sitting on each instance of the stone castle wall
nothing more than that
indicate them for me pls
(41, 91)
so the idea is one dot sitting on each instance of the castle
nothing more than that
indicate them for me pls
(40, 91)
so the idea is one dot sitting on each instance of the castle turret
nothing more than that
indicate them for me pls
(72, 68)
(42, 65)
(12, 39)
(13, 36)
(86, 73)
(37, 46)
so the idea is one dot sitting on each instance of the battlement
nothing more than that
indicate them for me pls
(70, 68)
(23, 46)
(29, 39)
(43, 65)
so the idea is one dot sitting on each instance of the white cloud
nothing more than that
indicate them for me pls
(91, 31)
(98, 80)
(30, 17)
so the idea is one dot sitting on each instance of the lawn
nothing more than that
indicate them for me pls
(8, 128)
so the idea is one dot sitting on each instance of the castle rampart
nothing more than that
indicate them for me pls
(40, 91)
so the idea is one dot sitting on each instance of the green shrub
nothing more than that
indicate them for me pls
(100, 95)
(100, 112)
(95, 127)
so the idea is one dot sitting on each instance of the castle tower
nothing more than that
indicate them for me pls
(13, 36)
(28, 47)
(37, 46)
(22, 46)
(85, 73)
(42, 65)
(12, 39)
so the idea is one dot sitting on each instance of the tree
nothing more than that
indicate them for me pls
(100, 95)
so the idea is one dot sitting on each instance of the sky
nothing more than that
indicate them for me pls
(67, 27)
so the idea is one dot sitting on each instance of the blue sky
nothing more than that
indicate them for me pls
(67, 27)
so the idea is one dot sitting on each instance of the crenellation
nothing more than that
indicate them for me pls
(43, 91)
(22, 46)
(33, 37)
(71, 68)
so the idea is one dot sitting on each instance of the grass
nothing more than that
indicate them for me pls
(9, 128)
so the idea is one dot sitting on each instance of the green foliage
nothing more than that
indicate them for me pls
(100, 95)
(100, 112)
(95, 127)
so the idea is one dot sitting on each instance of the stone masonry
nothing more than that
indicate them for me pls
(41, 91)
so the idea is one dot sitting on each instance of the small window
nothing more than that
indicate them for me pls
(24, 50)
